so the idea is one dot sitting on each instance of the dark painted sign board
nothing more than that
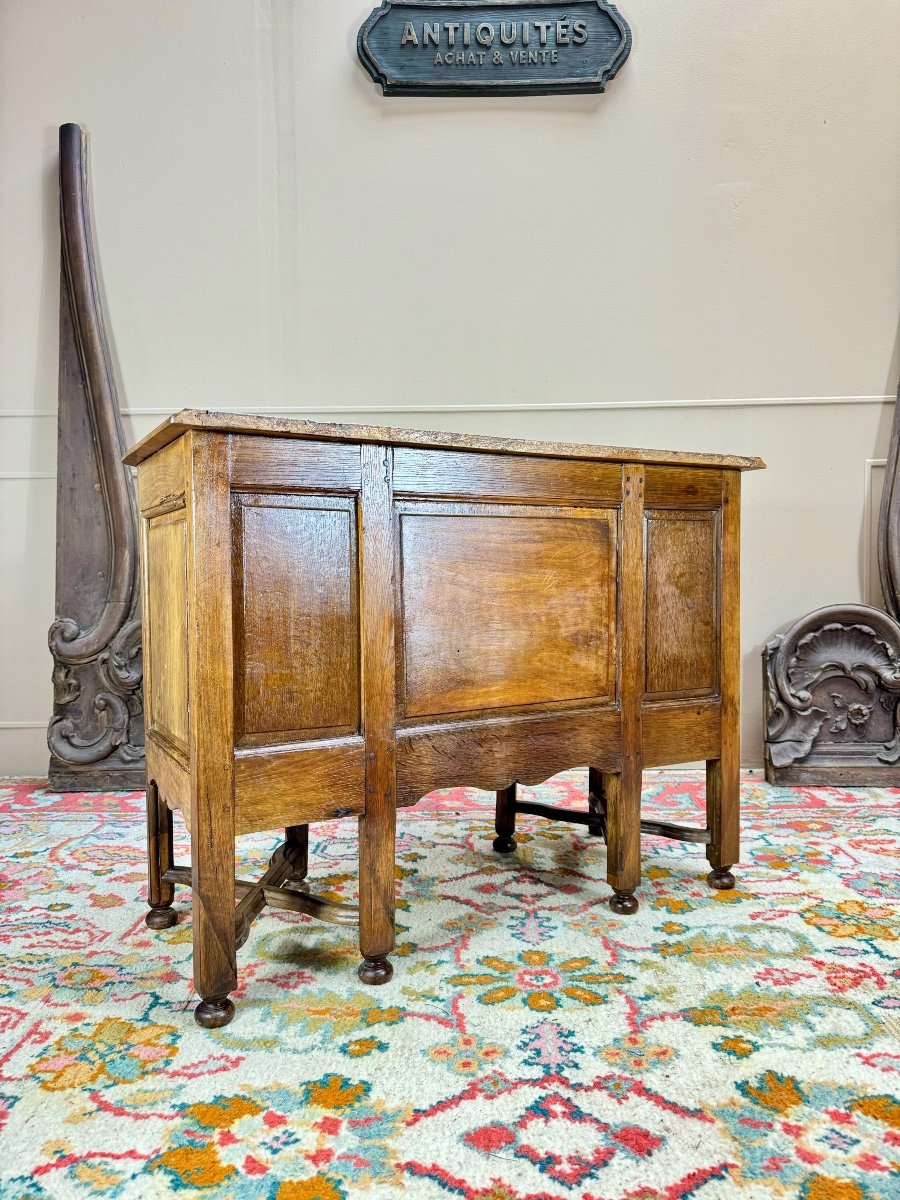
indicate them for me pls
(463, 47)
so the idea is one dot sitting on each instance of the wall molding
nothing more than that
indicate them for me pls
(549, 406)
(22, 725)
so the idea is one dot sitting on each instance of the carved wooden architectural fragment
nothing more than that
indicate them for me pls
(832, 682)
(832, 686)
(96, 735)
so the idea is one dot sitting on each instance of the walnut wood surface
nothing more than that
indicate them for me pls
(494, 753)
(285, 464)
(723, 771)
(163, 480)
(464, 475)
(211, 687)
(681, 731)
(505, 608)
(682, 487)
(364, 623)
(622, 787)
(292, 786)
(682, 604)
(377, 826)
(167, 768)
(190, 418)
(295, 596)
(167, 694)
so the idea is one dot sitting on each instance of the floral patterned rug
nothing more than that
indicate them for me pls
(531, 1045)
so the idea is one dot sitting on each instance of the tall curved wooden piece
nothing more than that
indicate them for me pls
(889, 523)
(96, 735)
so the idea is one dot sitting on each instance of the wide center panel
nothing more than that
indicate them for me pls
(504, 607)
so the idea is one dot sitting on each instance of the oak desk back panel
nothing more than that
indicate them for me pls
(339, 620)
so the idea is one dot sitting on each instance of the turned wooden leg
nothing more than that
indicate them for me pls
(623, 834)
(597, 802)
(723, 817)
(296, 839)
(376, 891)
(159, 859)
(505, 820)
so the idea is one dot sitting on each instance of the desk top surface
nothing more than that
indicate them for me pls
(219, 422)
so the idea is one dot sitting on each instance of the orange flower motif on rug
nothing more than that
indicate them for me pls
(539, 980)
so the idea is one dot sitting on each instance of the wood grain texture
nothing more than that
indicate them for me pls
(377, 828)
(456, 474)
(505, 820)
(189, 418)
(502, 610)
(166, 633)
(680, 732)
(682, 638)
(211, 717)
(723, 772)
(622, 788)
(160, 893)
(493, 754)
(170, 771)
(500, 641)
(682, 487)
(296, 617)
(282, 464)
(96, 733)
(162, 480)
(298, 785)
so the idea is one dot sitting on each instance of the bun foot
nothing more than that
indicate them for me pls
(623, 903)
(213, 1014)
(375, 970)
(721, 878)
(161, 918)
(504, 844)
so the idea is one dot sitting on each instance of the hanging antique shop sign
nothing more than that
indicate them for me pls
(461, 47)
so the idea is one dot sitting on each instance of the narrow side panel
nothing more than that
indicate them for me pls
(682, 604)
(165, 639)
(296, 617)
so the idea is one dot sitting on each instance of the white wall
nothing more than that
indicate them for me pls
(705, 258)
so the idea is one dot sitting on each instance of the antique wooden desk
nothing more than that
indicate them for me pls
(340, 619)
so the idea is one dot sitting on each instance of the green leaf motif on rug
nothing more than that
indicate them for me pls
(833, 1021)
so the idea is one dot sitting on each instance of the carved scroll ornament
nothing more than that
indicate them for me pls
(832, 685)
(96, 733)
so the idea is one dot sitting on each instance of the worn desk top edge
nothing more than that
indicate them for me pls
(223, 422)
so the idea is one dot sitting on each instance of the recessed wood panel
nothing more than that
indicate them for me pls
(296, 629)
(166, 640)
(505, 608)
(682, 604)
(499, 477)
